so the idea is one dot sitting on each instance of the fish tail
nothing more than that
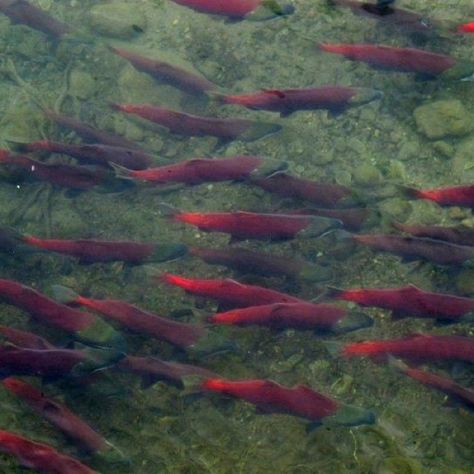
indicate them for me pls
(121, 172)
(409, 191)
(217, 97)
(64, 295)
(193, 384)
(353, 321)
(333, 292)
(269, 168)
(396, 363)
(167, 210)
(334, 348)
(167, 252)
(259, 130)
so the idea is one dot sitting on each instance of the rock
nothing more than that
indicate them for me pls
(443, 118)
(367, 173)
(463, 162)
(118, 19)
(443, 148)
(81, 84)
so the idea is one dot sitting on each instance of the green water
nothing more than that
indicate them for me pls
(370, 149)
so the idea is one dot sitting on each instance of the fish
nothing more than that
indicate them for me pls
(39, 456)
(167, 73)
(302, 315)
(88, 133)
(59, 415)
(416, 348)
(300, 400)
(425, 63)
(181, 335)
(248, 261)
(228, 292)
(83, 326)
(153, 369)
(443, 384)
(287, 101)
(54, 363)
(25, 13)
(204, 170)
(322, 194)
(24, 338)
(408, 301)
(466, 27)
(69, 176)
(250, 225)
(239, 9)
(89, 251)
(459, 235)
(180, 123)
(351, 218)
(95, 153)
(414, 248)
(462, 195)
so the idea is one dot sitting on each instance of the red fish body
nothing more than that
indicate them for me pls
(229, 292)
(167, 73)
(57, 414)
(466, 27)
(93, 251)
(409, 301)
(202, 170)
(450, 196)
(419, 347)
(23, 12)
(180, 334)
(460, 235)
(287, 101)
(249, 225)
(41, 457)
(323, 194)
(24, 338)
(198, 126)
(95, 153)
(351, 218)
(75, 177)
(412, 248)
(392, 58)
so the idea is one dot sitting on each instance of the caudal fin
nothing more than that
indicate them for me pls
(167, 210)
(333, 293)
(120, 171)
(353, 321)
(259, 130)
(64, 295)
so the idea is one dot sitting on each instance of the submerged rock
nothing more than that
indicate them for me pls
(120, 20)
(443, 118)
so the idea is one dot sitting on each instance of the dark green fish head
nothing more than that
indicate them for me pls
(269, 9)
(350, 415)
(364, 95)
(101, 334)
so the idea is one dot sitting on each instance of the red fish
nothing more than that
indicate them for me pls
(75, 177)
(53, 363)
(248, 261)
(202, 170)
(300, 315)
(462, 195)
(239, 9)
(24, 338)
(443, 384)
(412, 248)
(95, 153)
(58, 415)
(229, 292)
(249, 225)
(351, 218)
(89, 133)
(23, 12)
(177, 333)
(83, 326)
(167, 73)
(323, 194)
(418, 348)
(393, 58)
(409, 301)
(287, 101)
(302, 401)
(466, 27)
(460, 235)
(197, 126)
(40, 457)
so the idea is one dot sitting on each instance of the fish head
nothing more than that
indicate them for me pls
(319, 226)
(350, 415)
(364, 95)
(269, 9)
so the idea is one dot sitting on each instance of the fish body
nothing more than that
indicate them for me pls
(409, 301)
(287, 101)
(177, 333)
(323, 194)
(167, 73)
(466, 27)
(24, 338)
(41, 457)
(417, 348)
(249, 225)
(460, 235)
(229, 292)
(58, 415)
(23, 12)
(412, 248)
(203, 170)
(393, 58)
(199, 126)
(462, 195)
(95, 153)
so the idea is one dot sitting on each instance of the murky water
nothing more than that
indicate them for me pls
(371, 149)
